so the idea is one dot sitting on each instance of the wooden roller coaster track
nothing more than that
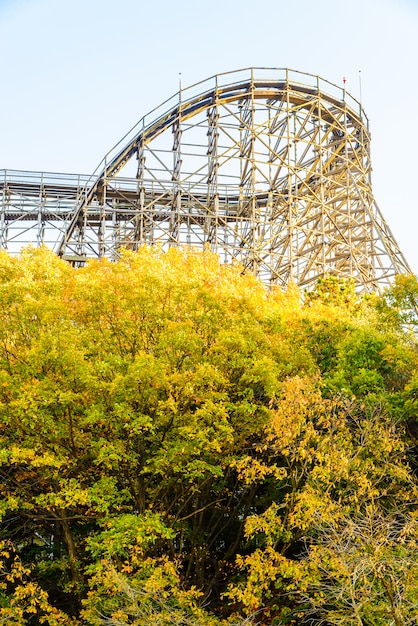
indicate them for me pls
(270, 167)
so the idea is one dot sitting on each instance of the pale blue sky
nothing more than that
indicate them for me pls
(77, 74)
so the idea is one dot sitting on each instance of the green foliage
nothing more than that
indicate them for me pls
(173, 437)
(400, 303)
(335, 291)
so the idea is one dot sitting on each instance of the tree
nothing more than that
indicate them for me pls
(367, 571)
(337, 460)
(170, 428)
(400, 302)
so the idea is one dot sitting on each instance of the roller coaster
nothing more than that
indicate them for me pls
(268, 167)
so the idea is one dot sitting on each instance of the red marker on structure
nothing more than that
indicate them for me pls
(344, 80)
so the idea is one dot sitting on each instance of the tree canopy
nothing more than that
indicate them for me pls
(179, 445)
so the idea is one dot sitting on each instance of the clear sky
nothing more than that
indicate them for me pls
(77, 74)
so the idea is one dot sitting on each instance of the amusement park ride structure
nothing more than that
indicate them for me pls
(270, 167)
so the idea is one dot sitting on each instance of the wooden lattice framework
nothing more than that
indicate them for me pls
(270, 167)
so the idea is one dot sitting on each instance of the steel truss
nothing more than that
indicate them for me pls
(268, 167)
